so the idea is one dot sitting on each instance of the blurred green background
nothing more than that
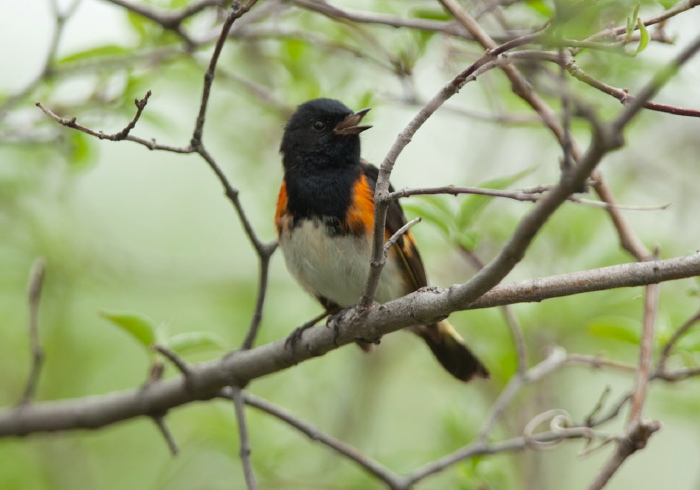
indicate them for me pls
(126, 229)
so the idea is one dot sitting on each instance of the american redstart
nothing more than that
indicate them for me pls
(325, 218)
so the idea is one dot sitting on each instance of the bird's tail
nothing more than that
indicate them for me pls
(451, 351)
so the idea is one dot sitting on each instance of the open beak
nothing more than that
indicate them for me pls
(349, 125)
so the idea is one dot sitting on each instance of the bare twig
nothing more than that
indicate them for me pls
(165, 432)
(237, 397)
(170, 20)
(658, 80)
(556, 358)
(532, 194)
(174, 358)
(516, 330)
(262, 291)
(234, 13)
(646, 351)
(637, 431)
(677, 335)
(399, 233)
(634, 439)
(118, 136)
(36, 281)
(392, 479)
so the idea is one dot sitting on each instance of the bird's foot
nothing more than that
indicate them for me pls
(294, 337)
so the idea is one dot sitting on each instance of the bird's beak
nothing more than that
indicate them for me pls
(349, 125)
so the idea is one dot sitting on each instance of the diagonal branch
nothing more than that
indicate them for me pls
(36, 282)
(392, 479)
(208, 378)
(118, 136)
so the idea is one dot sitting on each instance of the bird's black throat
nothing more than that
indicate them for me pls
(320, 191)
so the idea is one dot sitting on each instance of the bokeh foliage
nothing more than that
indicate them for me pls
(125, 229)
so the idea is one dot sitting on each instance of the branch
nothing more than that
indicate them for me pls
(646, 351)
(637, 431)
(36, 281)
(392, 479)
(208, 378)
(237, 397)
(169, 20)
(167, 435)
(682, 330)
(118, 136)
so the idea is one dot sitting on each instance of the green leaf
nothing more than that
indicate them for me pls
(468, 240)
(631, 23)
(690, 342)
(186, 343)
(474, 204)
(139, 24)
(643, 36)
(98, 52)
(295, 49)
(135, 324)
(618, 328)
(430, 14)
(432, 214)
(82, 151)
(541, 7)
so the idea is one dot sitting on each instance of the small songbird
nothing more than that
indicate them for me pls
(325, 219)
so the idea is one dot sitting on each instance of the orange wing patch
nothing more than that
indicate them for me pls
(359, 219)
(281, 217)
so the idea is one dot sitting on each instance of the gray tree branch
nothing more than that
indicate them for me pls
(207, 379)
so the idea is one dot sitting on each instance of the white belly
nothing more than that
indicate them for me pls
(335, 267)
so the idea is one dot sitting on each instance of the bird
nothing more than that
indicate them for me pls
(324, 220)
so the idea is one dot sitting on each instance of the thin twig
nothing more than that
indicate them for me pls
(234, 13)
(399, 233)
(171, 356)
(677, 335)
(237, 397)
(118, 136)
(646, 351)
(165, 432)
(556, 358)
(392, 479)
(516, 330)
(637, 431)
(256, 318)
(36, 282)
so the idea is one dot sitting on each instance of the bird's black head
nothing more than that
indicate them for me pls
(322, 132)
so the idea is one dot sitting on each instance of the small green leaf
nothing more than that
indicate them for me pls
(98, 52)
(631, 23)
(295, 49)
(541, 8)
(619, 328)
(186, 343)
(431, 215)
(643, 36)
(82, 151)
(430, 14)
(138, 24)
(137, 325)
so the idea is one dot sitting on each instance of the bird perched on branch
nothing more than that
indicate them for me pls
(325, 219)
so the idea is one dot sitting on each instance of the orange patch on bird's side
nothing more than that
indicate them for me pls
(359, 219)
(281, 210)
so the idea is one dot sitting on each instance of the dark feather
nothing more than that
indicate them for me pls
(405, 246)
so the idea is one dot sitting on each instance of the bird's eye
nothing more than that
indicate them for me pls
(319, 125)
